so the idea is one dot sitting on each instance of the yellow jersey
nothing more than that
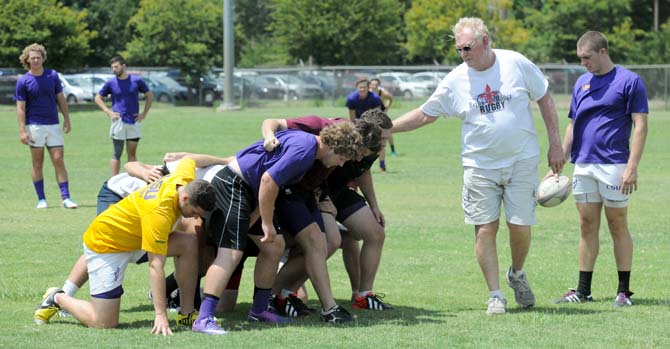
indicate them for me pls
(144, 219)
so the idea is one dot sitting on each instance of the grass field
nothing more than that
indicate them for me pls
(428, 270)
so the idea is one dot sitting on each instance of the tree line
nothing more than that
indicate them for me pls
(187, 34)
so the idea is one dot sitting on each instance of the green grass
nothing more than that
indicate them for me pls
(428, 270)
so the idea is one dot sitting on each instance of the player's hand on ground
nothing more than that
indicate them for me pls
(161, 326)
(271, 143)
(629, 181)
(269, 232)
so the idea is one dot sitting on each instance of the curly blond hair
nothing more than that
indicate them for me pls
(343, 139)
(23, 58)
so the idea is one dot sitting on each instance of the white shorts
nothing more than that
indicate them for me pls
(485, 190)
(106, 270)
(45, 135)
(599, 183)
(122, 131)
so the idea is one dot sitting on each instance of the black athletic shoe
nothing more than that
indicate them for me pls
(574, 296)
(290, 306)
(336, 315)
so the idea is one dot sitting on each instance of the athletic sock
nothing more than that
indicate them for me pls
(64, 190)
(39, 189)
(261, 296)
(208, 307)
(624, 281)
(362, 294)
(285, 292)
(496, 294)
(584, 286)
(392, 148)
(70, 288)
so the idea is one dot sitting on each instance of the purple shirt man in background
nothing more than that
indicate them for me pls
(37, 94)
(606, 103)
(125, 89)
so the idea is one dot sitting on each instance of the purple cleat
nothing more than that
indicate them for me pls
(208, 326)
(268, 316)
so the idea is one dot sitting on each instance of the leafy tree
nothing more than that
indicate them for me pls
(340, 31)
(558, 25)
(62, 31)
(429, 22)
(185, 34)
(110, 20)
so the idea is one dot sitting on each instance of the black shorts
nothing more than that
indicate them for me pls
(296, 210)
(347, 201)
(227, 225)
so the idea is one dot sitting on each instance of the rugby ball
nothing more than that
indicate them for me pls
(551, 192)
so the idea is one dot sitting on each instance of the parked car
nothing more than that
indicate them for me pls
(408, 88)
(180, 92)
(7, 88)
(327, 83)
(90, 83)
(294, 87)
(429, 77)
(72, 91)
(256, 88)
(161, 92)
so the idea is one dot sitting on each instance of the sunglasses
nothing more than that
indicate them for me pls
(466, 48)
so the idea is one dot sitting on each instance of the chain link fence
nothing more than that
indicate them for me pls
(316, 86)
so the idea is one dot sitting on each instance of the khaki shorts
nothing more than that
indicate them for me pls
(599, 183)
(122, 131)
(485, 190)
(45, 135)
(106, 270)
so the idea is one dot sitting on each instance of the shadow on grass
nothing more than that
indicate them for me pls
(237, 320)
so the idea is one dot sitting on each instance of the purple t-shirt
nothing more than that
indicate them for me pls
(600, 110)
(287, 164)
(125, 96)
(39, 93)
(361, 105)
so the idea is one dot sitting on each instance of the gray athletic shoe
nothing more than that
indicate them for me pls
(623, 299)
(496, 306)
(523, 295)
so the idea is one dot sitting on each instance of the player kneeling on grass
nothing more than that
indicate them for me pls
(141, 222)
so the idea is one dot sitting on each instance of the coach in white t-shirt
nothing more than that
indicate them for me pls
(491, 92)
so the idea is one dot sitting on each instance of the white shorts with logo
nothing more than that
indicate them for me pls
(485, 190)
(106, 270)
(122, 131)
(599, 183)
(45, 135)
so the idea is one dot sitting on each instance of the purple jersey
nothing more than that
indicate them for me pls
(600, 110)
(361, 105)
(287, 164)
(39, 93)
(125, 96)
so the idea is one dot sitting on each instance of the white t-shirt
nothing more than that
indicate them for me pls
(494, 105)
(123, 184)
(206, 173)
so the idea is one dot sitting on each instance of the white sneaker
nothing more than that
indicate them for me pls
(42, 204)
(67, 203)
(496, 306)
